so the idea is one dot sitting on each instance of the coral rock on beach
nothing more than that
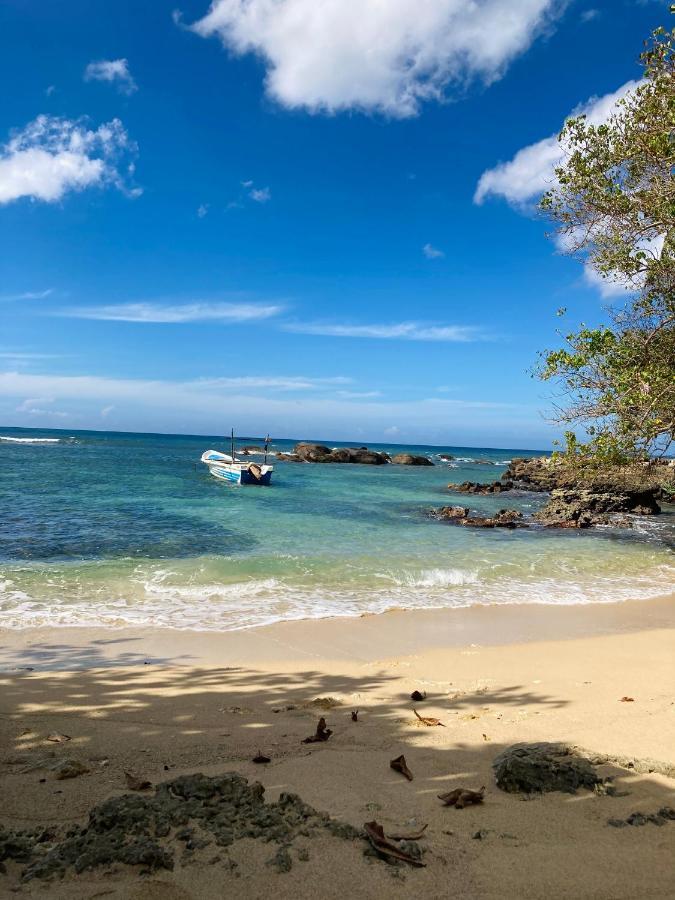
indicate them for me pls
(543, 767)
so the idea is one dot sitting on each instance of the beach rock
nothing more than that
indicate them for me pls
(543, 767)
(319, 453)
(660, 817)
(459, 515)
(446, 457)
(585, 507)
(477, 487)
(137, 829)
(408, 459)
(69, 768)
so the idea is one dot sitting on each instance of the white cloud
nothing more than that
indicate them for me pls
(260, 195)
(50, 90)
(163, 313)
(589, 14)
(432, 252)
(392, 431)
(33, 407)
(272, 382)
(52, 156)
(28, 295)
(358, 395)
(114, 71)
(105, 412)
(376, 55)
(202, 210)
(407, 331)
(531, 172)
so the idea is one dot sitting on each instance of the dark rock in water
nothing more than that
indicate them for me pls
(409, 459)
(451, 512)
(543, 767)
(584, 507)
(477, 487)
(319, 453)
(446, 457)
(137, 829)
(459, 515)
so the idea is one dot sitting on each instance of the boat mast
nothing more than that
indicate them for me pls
(267, 442)
(232, 445)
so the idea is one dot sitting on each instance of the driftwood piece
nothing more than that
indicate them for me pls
(399, 765)
(375, 834)
(428, 720)
(461, 797)
(322, 733)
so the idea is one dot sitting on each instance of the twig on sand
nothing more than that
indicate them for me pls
(428, 720)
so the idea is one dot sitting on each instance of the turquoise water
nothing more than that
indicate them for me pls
(126, 529)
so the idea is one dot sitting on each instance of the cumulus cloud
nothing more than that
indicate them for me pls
(260, 195)
(52, 156)
(373, 55)
(407, 331)
(175, 314)
(114, 71)
(531, 172)
(432, 252)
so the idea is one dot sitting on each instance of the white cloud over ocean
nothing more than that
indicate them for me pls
(373, 55)
(175, 313)
(114, 71)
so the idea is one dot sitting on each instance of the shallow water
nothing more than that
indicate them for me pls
(126, 529)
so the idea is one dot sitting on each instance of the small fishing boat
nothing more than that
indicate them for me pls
(226, 466)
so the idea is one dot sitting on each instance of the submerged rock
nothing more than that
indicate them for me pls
(459, 515)
(543, 767)
(478, 487)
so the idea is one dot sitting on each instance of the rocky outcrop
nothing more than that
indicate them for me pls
(477, 487)
(459, 515)
(538, 473)
(319, 453)
(543, 767)
(585, 507)
(408, 459)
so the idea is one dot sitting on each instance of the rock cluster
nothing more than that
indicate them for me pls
(477, 487)
(193, 810)
(409, 459)
(584, 507)
(319, 453)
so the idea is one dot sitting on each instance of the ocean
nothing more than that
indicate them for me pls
(118, 529)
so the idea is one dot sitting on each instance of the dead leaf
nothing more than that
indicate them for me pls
(375, 834)
(260, 759)
(399, 765)
(428, 720)
(134, 783)
(461, 797)
(57, 738)
(417, 695)
(322, 733)
(627, 700)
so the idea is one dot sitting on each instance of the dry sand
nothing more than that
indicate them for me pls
(207, 703)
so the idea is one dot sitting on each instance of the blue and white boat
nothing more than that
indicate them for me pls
(226, 467)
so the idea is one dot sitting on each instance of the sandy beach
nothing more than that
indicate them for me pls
(161, 704)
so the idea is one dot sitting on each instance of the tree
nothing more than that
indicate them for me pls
(614, 206)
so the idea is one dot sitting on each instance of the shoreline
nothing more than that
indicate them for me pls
(357, 638)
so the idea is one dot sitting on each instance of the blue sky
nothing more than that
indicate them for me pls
(313, 224)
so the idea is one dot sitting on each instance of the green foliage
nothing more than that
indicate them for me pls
(614, 205)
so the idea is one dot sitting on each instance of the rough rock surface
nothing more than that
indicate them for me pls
(459, 515)
(583, 507)
(319, 453)
(477, 487)
(195, 810)
(543, 767)
(409, 459)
